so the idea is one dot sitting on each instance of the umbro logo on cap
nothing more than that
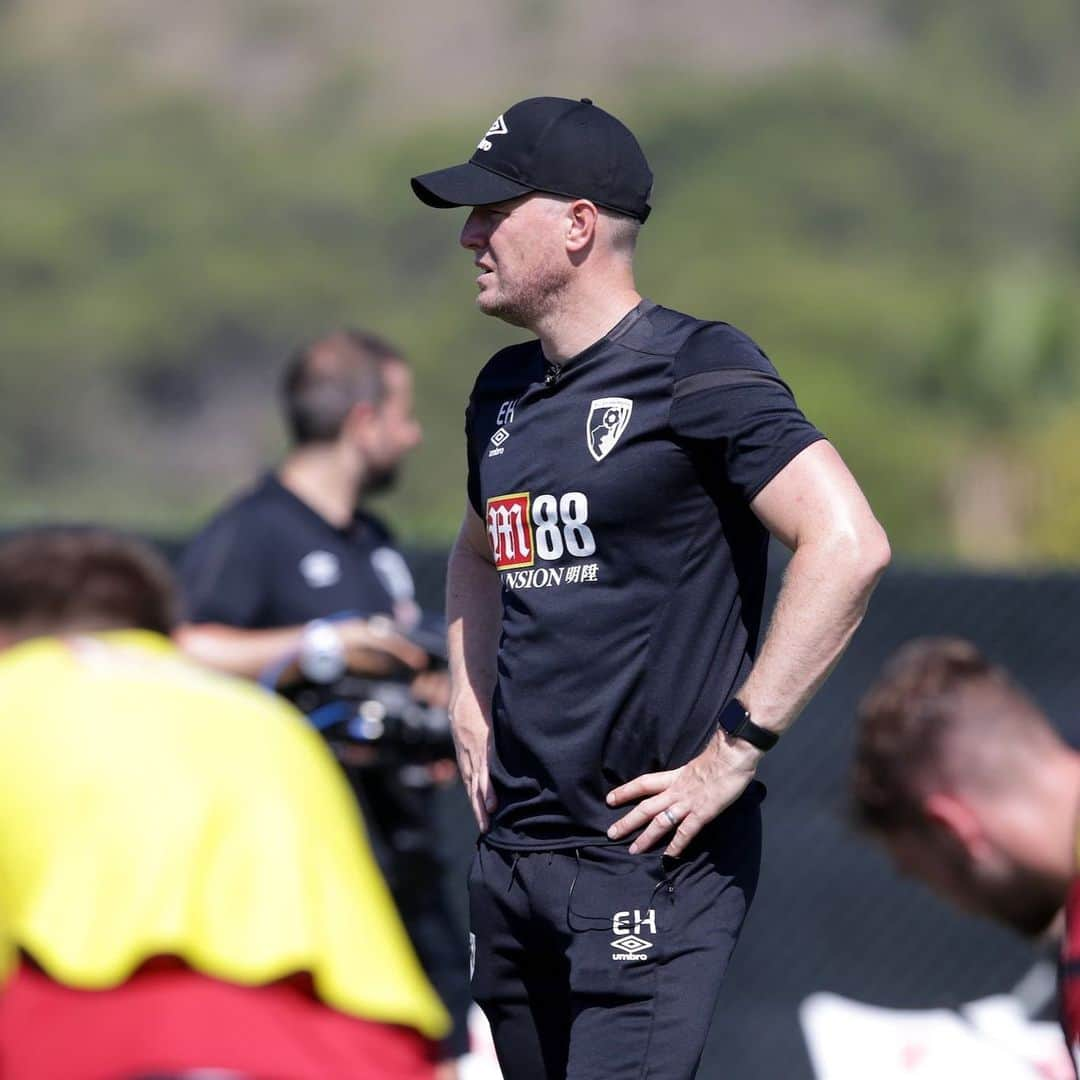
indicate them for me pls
(497, 128)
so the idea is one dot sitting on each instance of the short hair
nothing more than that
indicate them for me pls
(66, 579)
(326, 378)
(623, 230)
(939, 714)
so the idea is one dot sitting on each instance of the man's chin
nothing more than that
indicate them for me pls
(493, 306)
(488, 303)
(379, 480)
(1030, 913)
(1034, 923)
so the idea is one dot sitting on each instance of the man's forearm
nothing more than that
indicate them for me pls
(241, 652)
(364, 646)
(473, 612)
(822, 600)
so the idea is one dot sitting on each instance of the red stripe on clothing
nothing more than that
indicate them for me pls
(168, 1018)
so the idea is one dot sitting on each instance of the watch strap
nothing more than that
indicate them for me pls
(735, 720)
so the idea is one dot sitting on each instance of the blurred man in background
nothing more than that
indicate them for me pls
(970, 789)
(299, 547)
(605, 594)
(183, 881)
(298, 583)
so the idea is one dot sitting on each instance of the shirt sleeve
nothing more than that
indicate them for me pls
(221, 575)
(731, 406)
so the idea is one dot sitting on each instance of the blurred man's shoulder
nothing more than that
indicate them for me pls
(251, 503)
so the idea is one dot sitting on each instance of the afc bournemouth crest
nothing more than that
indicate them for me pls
(607, 421)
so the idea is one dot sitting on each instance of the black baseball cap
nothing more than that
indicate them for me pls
(549, 144)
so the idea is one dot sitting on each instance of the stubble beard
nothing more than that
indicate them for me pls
(378, 480)
(527, 302)
(1028, 906)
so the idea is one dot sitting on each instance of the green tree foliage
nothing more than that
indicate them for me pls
(900, 232)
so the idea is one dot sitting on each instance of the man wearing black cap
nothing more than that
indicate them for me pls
(605, 598)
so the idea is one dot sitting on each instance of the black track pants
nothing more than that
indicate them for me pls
(594, 964)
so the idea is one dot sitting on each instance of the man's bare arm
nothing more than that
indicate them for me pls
(241, 652)
(816, 508)
(370, 647)
(473, 612)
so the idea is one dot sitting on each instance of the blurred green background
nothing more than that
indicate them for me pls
(885, 194)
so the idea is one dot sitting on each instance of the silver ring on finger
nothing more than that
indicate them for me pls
(673, 821)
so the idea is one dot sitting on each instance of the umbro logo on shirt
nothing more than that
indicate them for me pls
(497, 441)
(320, 569)
(608, 418)
(506, 417)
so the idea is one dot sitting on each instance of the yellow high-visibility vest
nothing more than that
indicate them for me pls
(149, 807)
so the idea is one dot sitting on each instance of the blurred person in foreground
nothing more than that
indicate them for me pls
(183, 881)
(297, 582)
(625, 470)
(968, 787)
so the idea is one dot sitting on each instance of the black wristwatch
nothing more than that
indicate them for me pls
(735, 720)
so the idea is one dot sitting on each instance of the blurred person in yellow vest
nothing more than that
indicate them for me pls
(296, 582)
(184, 883)
(971, 790)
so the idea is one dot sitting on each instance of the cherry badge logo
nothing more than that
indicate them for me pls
(608, 419)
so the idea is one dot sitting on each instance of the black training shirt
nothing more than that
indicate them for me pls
(616, 491)
(268, 560)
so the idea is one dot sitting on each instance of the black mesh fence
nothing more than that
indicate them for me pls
(830, 913)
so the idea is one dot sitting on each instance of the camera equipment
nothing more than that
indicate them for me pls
(379, 713)
(387, 741)
(382, 714)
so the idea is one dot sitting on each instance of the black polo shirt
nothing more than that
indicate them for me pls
(616, 491)
(268, 560)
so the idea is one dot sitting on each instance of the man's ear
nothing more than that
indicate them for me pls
(581, 225)
(359, 420)
(955, 817)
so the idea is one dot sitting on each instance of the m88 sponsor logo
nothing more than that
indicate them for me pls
(523, 528)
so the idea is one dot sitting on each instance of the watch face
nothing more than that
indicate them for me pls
(322, 653)
(734, 717)
(735, 720)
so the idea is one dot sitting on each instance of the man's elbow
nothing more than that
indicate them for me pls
(871, 554)
(189, 636)
(195, 639)
(858, 552)
(206, 643)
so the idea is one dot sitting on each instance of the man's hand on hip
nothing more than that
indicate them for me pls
(686, 799)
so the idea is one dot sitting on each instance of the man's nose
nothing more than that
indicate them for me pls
(473, 235)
